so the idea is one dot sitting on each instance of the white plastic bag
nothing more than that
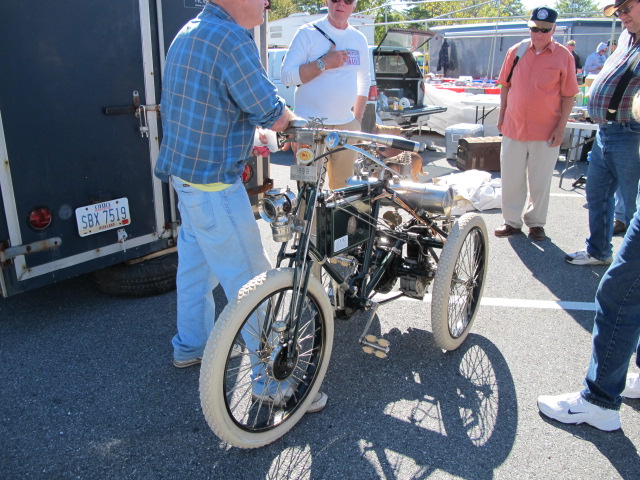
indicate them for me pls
(472, 190)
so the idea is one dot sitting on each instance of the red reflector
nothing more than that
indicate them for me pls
(247, 173)
(373, 92)
(40, 218)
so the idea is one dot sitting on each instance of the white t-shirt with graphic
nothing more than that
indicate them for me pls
(333, 93)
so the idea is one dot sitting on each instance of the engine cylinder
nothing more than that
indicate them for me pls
(432, 198)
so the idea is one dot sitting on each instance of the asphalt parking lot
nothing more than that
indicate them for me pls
(89, 392)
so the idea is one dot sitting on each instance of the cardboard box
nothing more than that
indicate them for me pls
(479, 153)
(455, 132)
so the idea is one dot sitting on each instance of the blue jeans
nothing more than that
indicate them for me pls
(615, 161)
(618, 209)
(616, 330)
(218, 243)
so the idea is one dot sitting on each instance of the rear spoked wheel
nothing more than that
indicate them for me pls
(459, 281)
(253, 398)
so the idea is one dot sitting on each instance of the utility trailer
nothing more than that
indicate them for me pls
(478, 50)
(79, 137)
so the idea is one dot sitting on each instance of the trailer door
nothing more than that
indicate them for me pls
(79, 135)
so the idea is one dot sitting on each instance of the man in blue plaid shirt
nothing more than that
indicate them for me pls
(215, 92)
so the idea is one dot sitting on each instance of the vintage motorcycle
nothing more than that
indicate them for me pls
(342, 252)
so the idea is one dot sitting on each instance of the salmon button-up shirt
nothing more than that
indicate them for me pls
(538, 83)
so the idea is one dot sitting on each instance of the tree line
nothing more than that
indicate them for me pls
(434, 13)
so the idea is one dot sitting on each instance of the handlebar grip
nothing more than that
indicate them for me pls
(298, 123)
(403, 143)
(294, 125)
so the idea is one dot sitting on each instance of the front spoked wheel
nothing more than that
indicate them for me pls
(251, 390)
(459, 281)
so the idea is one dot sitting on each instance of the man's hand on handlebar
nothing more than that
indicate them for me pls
(283, 122)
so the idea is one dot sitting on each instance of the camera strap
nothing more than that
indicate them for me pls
(324, 34)
(522, 48)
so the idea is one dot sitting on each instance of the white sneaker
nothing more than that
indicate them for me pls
(236, 351)
(282, 396)
(583, 258)
(187, 363)
(277, 399)
(572, 408)
(632, 389)
(318, 403)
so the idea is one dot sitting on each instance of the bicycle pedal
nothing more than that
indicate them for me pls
(380, 341)
(374, 345)
(342, 261)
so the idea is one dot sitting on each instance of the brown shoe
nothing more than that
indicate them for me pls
(619, 227)
(506, 230)
(537, 233)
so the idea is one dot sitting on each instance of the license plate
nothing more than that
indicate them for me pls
(103, 216)
(304, 173)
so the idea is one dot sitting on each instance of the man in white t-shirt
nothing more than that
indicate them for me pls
(328, 61)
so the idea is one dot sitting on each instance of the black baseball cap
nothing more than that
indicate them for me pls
(543, 17)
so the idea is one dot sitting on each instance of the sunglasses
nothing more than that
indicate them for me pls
(346, 2)
(541, 30)
(622, 10)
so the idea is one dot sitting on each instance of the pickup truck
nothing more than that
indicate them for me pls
(399, 82)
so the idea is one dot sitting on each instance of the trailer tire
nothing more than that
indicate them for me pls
(150, 277)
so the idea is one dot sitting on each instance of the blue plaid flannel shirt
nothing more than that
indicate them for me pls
(214, 93)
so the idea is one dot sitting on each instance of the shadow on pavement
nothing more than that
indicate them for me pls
(614, 446)
(541, 259)
(414, 413)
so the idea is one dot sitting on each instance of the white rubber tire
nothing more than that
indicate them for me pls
(442, 285)
(213, 368)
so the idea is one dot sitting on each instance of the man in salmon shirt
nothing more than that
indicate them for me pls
(536, 99)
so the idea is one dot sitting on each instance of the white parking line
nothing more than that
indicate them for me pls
(548, 304)
(575, 195)
(515, 303)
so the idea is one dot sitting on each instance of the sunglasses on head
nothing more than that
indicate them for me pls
(541, 30)
(346, 2)
(622, 10)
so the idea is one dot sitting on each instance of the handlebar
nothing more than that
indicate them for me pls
(336, 137)
(387, 140)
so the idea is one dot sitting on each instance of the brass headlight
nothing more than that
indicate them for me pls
(277, 204)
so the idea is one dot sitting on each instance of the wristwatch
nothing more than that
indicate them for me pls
(320, 64)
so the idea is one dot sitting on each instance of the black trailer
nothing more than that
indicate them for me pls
(79, 136)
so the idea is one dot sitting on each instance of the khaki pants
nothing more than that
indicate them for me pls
(526, 166)
(340, 164)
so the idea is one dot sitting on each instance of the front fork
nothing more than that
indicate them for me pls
(288, 329)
